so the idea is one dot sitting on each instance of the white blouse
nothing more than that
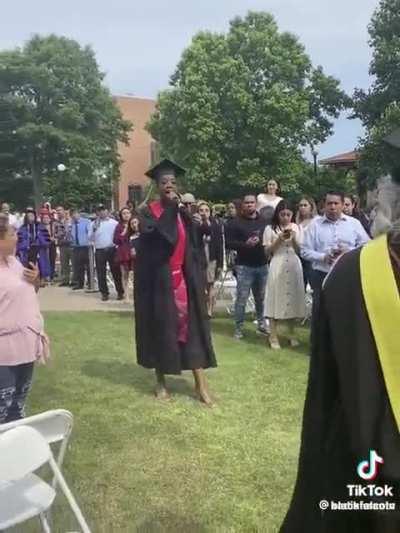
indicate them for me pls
(265, 200)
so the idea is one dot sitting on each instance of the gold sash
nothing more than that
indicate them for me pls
(382, 300)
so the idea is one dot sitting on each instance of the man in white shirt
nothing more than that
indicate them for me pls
(102, 236)
(327, 238)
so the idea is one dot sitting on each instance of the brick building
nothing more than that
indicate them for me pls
(140, 154)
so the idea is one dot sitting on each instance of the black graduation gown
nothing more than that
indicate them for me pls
(155, 310)
(347, 413)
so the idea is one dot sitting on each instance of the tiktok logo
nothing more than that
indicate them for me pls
(368, 470)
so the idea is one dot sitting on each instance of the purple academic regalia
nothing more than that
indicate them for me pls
(35, 235)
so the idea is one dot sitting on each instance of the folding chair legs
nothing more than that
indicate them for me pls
(44, 523)
(69, 496)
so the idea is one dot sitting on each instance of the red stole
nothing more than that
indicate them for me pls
(176, 263)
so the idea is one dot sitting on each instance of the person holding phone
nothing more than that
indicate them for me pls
(285, 299)
(123, 256)
(22, 339)
(244, 236)
(327, 238)
(214, 252)
(33, 244)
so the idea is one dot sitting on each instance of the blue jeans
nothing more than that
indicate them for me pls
(254, 279)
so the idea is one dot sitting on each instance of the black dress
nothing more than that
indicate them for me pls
(347, 413)
(155, 310)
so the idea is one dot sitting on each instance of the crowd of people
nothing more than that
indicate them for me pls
(178, 248)
(274, 248)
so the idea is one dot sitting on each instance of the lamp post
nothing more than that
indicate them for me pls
(314, 153)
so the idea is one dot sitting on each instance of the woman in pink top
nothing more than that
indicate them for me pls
(22, 339)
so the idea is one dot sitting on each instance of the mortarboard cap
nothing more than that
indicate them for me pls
(165, 167)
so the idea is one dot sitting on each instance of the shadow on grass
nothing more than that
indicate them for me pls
(132, 375)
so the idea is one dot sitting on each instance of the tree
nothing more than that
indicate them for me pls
(55, 109)
(379, 107)
(241, 105)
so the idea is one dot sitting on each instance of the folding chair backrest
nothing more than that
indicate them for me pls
(22, 451)
(54, 426)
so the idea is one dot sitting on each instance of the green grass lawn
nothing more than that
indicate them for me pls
(138, 465)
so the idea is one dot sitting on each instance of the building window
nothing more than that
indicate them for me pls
(135, 194)
(154, 153)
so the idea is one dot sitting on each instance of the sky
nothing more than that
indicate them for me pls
(138, 44)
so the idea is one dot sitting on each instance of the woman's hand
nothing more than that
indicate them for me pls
(31, 275)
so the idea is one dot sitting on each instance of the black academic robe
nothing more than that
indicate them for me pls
(155, 310)
(347, 413)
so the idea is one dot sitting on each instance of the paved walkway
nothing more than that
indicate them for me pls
(65, 299)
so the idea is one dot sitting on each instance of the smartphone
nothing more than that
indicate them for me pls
(286, 234)
(33, 255)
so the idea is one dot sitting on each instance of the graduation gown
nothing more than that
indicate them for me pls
(156, 318)
(348, 411)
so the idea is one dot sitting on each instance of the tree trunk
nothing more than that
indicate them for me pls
(37, 184)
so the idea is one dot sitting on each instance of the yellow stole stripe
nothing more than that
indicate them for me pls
(382, 300)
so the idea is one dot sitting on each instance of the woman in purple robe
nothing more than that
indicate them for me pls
(34, 243)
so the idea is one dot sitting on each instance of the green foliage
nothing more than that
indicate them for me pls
(379, 107)
(55, 109)
(240, 107)
(317, 185)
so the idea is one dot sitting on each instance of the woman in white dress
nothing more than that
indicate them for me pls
(285, 296)
(270, 198)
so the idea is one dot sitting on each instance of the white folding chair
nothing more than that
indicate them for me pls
(23, 494)
(55, 427)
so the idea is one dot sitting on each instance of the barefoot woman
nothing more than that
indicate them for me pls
(172, 331)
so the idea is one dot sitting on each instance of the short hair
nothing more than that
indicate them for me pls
(335, 193)
(250, 194)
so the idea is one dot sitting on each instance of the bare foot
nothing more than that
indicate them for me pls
(161, 393)
(205, 398)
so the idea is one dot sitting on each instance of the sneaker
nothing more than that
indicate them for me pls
(238, 335)
(263, 330)
(105, 298)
